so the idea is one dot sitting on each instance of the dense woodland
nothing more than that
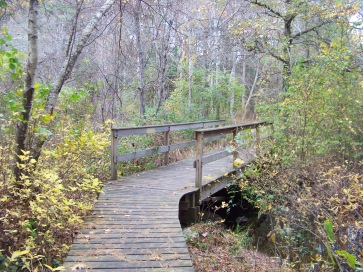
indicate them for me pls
(70, 69)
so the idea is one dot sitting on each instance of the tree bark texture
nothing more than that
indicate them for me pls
(28, 92)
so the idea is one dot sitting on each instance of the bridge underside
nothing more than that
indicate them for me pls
(135, 224)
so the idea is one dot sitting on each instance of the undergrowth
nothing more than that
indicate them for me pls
(314, 211)
(40, 213)
(212, 247)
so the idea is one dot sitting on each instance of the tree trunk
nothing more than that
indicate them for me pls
(140, 58)
(190, 70)
(66, 70)
(190, 78)
(253, 87)
(28, 92)
(163, 60)
(232, 78)
(216, 33)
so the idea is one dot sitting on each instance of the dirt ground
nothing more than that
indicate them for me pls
(214, 248)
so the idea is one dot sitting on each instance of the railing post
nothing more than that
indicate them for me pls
(166, 143)
(258, 140)
(235, 152)
(114, 142)
(199, 160)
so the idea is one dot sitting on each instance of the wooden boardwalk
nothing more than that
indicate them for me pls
(135, 226)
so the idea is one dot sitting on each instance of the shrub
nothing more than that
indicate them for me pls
(40, 214)
(315, 210)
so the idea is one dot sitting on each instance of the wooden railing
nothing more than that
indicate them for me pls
(164, 149)
(204, 135)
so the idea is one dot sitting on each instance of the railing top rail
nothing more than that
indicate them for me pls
(127, 131)
(209, 132)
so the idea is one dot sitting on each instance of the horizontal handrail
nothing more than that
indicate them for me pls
(202, 135)
(128, 131)
(164, 149)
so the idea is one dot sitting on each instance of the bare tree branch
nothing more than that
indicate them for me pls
(268, 8)
(69, 63)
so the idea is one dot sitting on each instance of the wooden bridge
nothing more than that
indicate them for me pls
(135, 225)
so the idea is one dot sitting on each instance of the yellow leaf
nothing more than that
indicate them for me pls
(47, 118)
(238, 162)
(17, 254)
(273, 238)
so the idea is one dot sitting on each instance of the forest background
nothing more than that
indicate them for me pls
(71, 69)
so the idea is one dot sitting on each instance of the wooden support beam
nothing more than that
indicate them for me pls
(257, 141)
(199, 159)
(114, 142)
(166, 143)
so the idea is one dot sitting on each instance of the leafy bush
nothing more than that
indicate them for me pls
(321, 111)
(315, 211)
(40, 213)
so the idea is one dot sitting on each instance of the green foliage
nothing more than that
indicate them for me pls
(76, 103)
(210, 92)
(3, 4)
(321, 112)
(9, 57)
(328, 226)
(350, 258)
(10, 76)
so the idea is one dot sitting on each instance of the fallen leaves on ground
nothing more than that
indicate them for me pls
(213, 248)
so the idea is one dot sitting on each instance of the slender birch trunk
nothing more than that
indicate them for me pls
(140, 58)
(232, 78)
(28, 92)
(253, 87)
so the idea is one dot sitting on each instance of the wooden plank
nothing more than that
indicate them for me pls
(199, 158)
(135, 265)
(137, 218)
(110, 221)
(174, 269)
(167, 143)
(182, 145)
(149, 246)
(160, 150)
(142, 231)
(130, 240)
(95, 223)
(197, 125)
(214, 157)
(114, 142)
(122, 132)
(142, 153)
(113, 211)
(133, 234)
(130, 226)
(210, 132)
(97, 264)
(128, 131)
(127, 257)
(135, 251)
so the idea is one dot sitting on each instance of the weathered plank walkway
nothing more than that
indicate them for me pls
(135, 226)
